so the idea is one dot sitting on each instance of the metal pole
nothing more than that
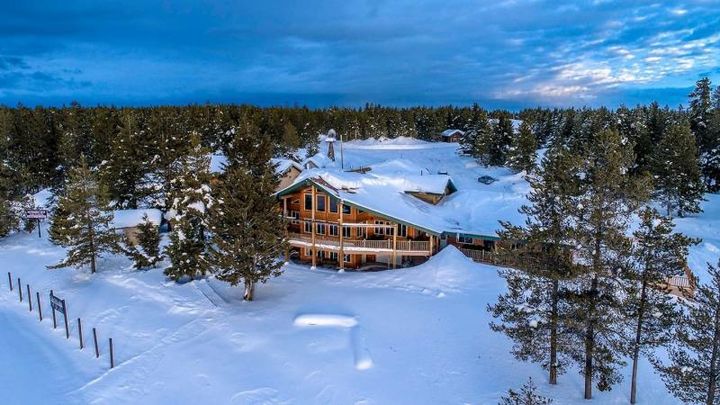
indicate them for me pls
(112, 355)
(65, 314)
(19, 289)
(80, 333)
(37, 293)
(97, 350)
(10, 281)
(29, 297)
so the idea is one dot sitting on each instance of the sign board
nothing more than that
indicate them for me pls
(36, 214)
(57, 304)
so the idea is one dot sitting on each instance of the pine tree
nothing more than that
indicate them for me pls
(607, 198)
(528, 395)
(483, 139)
(678, 184)
(248, 230)
(710, 158)
(523, 152)
(701, 125)
(290, 139)
(82, 220)
(693, 369)
(146, 253)
(658, 254)
(533, 310)
(188, 245)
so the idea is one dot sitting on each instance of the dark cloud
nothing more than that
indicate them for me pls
(318, 52)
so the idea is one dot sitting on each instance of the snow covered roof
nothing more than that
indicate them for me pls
(451, 132)
(134, 217)
(282, 165)
(319, 160)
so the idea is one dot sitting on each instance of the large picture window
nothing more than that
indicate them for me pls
(308, 202)
(321, 203)
(333, 205)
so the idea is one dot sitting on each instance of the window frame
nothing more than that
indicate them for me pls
(308, 199)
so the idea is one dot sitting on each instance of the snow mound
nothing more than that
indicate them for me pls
(339, 321)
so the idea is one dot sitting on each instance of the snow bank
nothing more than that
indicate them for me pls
(340, 321)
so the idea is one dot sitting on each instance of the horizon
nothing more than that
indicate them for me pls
(511, 55)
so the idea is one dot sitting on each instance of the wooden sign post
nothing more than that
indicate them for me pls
(37, 215)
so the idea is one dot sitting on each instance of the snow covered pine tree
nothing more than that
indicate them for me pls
(247, 227)
(528, 395)
(82, 220)
(694, 356)
(146, 253)
(658, 254)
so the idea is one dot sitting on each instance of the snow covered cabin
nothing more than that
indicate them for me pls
(127, 221)
(452, 135)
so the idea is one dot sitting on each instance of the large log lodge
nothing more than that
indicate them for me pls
(325, 229)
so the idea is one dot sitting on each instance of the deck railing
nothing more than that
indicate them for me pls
(382, 244)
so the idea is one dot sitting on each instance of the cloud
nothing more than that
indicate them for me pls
(519, 52)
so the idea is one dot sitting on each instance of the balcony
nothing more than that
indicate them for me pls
(403, 247)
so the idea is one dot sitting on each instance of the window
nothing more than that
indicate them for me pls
(402, 230)
(321, 203)
(308, 227)
(465, 239)
(308, 251)
(346, 231)
(333, 255)
(320, 229)
(308, 202)
(333, 230)
(361, 232)
(379, 230)
(321, 254)
(346, 209)
(296, 216)
(346, 258)
(333, 205)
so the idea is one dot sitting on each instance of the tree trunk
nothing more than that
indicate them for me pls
(590, 340)
(553, 333)
(636, 347)
(713, 360)
(249, 290)
(91, 237)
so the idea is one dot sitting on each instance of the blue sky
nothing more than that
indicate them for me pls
(511, 53)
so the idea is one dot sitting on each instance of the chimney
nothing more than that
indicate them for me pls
(330, 139)
(331, 149)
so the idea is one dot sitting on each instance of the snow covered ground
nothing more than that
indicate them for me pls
(407, 336)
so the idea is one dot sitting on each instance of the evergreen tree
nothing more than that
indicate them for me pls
(693, 369)
(146, 253)
(677, 174)
(607, 198)
(710, 158)
(290, 139)
(701, 125)
(533, 310)
(248, 230)
(658, 254)
(528, 395)
(188, 246)
(483, 139)
(81, 222)
(523, 152)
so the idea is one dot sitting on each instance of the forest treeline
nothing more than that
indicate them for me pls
(39, 145)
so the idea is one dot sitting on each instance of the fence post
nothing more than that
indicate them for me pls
(112, 356)
(37, 293)
(10, 281)
(80, 333)
(53, 310)
(65, 315)
(97, 351)
(29, 297)
(20, 289)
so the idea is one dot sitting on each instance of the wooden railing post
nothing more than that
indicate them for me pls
(341, 253)
(394, 246)
(314, 247)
